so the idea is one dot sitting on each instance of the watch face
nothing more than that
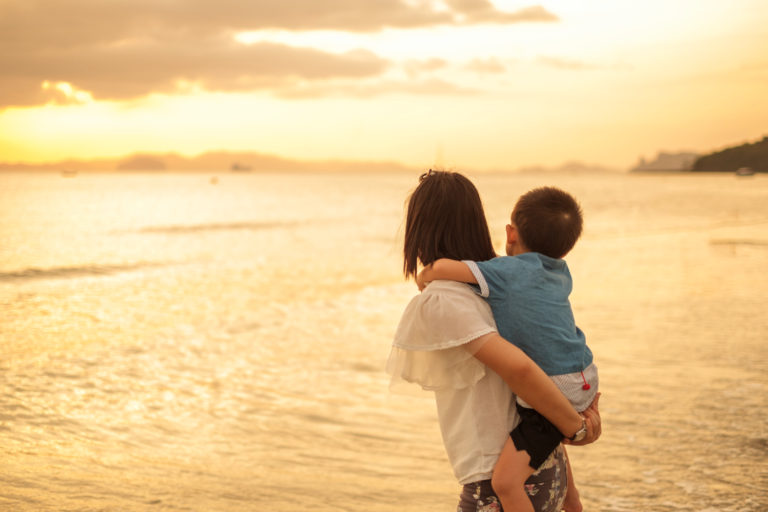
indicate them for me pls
(581, 434)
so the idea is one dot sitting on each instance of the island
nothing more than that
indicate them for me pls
(745, 159)
(667, 162)
(749, 157)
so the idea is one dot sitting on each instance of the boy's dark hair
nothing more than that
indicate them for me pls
(548, 221)
(445, 219)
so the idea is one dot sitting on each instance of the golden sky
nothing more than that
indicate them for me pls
(471, 84)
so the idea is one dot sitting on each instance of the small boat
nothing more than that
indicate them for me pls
(238, 167)
(68, 173)
(744, 171)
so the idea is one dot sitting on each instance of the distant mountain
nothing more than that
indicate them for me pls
(753, 155)
(571, 167)
(667, 162)
(219, 161)
(142, 163)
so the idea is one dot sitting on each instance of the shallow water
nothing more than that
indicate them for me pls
(171, 344)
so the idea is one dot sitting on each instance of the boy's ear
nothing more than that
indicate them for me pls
(511, 234)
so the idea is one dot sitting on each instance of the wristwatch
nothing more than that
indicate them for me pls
(581, 433)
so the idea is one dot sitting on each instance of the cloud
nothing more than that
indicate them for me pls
(137, 68)
(561, 63)
(123, 49)
(483, 11)
(489, 65)
(430, 87)
(578, 65)
(86, 22)
(417, 67)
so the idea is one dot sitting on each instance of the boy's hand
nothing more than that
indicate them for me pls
(422, 278)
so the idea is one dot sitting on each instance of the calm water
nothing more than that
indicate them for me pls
(171, 344)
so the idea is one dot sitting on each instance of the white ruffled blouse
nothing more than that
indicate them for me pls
(432, 349)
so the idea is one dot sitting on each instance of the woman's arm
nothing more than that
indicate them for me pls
(530, 382)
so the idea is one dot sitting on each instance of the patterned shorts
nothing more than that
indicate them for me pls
(546, 489)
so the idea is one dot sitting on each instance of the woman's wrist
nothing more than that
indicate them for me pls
(577, 435)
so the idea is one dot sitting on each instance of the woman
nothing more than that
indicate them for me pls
(446, 342)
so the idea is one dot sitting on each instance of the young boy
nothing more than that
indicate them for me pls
(528, 293)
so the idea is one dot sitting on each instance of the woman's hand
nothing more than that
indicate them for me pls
(594, 426)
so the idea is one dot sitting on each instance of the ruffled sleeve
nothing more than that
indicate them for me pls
(429, 346)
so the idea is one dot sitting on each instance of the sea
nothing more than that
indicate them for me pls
(216, 342)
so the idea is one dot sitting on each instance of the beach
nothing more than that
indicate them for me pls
(170, 342)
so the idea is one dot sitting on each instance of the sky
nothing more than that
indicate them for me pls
(467, 84)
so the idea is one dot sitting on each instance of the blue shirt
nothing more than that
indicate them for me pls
(528, 295)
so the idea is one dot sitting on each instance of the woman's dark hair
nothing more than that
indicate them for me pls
(548, 220)
(445, 219)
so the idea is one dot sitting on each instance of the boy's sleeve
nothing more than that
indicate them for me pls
(490, 275)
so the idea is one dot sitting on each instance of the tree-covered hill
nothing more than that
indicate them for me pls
(753, 155)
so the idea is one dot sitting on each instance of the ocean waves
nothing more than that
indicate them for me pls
(226, 226)
(65, 272)
(738, 241)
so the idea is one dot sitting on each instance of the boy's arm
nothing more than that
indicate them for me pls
(444, 268)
